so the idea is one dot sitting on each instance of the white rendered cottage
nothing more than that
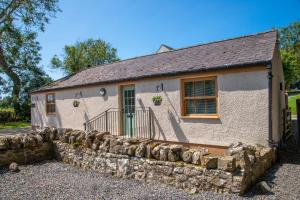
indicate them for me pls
(212, 94)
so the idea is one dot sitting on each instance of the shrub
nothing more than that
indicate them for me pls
(7, 115)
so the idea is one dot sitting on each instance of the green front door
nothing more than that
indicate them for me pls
(128, 105)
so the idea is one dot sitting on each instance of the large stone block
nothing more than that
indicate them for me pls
(227, 163)
(174, 153)
(140, 150)
(4, 144)
(197, 156)
(209, 162)
(163, 153)
(187, 156)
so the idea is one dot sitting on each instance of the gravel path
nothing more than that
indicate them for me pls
(14, 131)
(54, 180)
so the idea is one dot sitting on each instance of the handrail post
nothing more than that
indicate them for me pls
(106, 121)
(150, 122)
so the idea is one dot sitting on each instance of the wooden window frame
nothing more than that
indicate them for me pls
(46, 105)
(183, 98)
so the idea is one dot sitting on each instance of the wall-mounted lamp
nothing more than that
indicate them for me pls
(102, 92)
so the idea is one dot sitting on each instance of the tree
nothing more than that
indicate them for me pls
(290, 51)
(291, 67)
(19, 51)
(31, 79)
(85, 54)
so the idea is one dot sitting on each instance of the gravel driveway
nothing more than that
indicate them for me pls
(54, 180)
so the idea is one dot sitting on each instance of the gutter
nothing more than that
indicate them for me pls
(270, 77)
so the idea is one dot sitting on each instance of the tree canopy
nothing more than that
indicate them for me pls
(19, 50)
(290, 52)
(85, 54)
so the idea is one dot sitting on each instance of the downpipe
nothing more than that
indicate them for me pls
(270, 78)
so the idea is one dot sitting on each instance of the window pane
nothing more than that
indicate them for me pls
(50, 98)
(188, 89)
(200, 106)
(199, 89)
(195, 106)
(190, 107)
(50, 108)
(211, 106)
(210, 88)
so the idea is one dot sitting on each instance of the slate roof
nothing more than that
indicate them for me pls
(243, 51)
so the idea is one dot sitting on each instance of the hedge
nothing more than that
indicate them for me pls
(7, 115)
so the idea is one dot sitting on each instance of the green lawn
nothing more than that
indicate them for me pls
(292, 103)
(14, 125)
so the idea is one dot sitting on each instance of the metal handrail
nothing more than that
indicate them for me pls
(112, 121)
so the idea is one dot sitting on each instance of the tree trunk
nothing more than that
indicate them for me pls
(16, 82)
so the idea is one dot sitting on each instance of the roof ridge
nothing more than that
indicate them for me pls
(173, 50)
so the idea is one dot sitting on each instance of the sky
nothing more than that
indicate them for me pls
(139, 27)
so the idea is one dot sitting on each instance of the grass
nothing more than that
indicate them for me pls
(292, 103)
(10, 125)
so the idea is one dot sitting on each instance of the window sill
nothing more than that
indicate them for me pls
(201, 117)
(50, 113)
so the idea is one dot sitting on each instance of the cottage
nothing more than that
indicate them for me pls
(211, 94)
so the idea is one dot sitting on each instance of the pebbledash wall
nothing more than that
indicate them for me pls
(278, 97)
(243, 108)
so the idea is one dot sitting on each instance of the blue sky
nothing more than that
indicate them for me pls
(138, 27)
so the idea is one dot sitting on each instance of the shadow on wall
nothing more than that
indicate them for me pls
(55, 120)
(176, 128)
(154, 124)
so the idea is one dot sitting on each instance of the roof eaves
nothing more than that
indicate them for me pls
(230, 66)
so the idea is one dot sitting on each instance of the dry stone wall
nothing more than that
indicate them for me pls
(190, 169)
(193, 170)
(26, 148)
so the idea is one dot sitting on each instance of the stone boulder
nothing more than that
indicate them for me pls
(14, 167)
(197, 156)
(130, 151)
(174, 153)
(209, 162)
(235, 148)
(29, 141)
(4, 144)
(149, 149)
(15, 143)
(227, 163)
(155, 151)
(163, 153)
(115, 144)
(53, 133)
(187, 156)
(38, 139)
(104, 147)
(264, 187)
(140, 150)
(62, 131)
(116, 149)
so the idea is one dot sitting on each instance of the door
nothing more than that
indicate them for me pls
(128, 107)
